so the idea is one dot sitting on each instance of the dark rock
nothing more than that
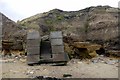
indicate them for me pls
(39, 77)
(46, 78)
(67, 75)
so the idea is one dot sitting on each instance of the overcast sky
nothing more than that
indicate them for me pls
(20, 9)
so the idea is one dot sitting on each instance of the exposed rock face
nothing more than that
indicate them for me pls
(12, 33)
(96, 24)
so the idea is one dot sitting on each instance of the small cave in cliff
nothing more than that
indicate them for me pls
(101, 51)
(81, 53)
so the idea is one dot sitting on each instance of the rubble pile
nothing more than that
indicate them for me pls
(105, 60)
(13, 58)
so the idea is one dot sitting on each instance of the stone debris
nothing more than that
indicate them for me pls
(111, 62)
(95, 61)
(30, 72)
(7, 61)
(12, 59)
(73, 61)
(104, 60)
(99, 59)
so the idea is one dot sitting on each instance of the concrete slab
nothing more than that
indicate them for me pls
(33, 58)
(56, 42)
(57, 49)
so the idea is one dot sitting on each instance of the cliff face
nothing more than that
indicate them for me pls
(96, 24)
(12, 33)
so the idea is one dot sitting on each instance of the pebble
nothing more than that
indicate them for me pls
(79, 62)
(16, 57)
(101, 55)
(29, 72)
(95, 61)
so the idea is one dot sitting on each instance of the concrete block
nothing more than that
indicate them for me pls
(57, 49)
(33, 50)
(33, 43)
(60, 57)
(56, 34)
(33, 58)
(56, 42)
(33, 35)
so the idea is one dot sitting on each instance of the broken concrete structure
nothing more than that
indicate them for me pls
(57, 46)
(33, 47)
(45, 51)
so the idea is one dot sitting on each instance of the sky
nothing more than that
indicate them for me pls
(20, 9)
